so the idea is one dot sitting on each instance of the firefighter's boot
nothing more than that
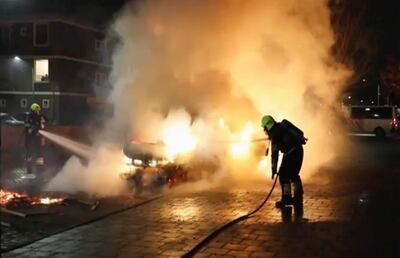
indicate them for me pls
(286, 196)
(298, 194)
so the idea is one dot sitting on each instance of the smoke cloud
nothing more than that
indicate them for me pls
(235, 60)
(213, 68)
(99, 177)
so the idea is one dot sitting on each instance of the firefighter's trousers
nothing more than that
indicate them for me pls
(289, 174)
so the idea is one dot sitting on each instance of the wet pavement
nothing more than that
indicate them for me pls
(354, 213)
(333, 226)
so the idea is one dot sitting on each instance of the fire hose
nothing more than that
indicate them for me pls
(219, 230)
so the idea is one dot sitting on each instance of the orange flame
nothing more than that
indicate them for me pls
(8, 196)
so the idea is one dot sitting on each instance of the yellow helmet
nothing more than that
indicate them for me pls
(35, 107)
(267, 122)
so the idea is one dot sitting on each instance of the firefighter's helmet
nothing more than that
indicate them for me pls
(267, 122)
(35, 107)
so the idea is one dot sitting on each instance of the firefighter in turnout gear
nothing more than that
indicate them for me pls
(33, 123)
(288, 139)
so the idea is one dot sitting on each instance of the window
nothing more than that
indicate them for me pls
(42, 70)
(372, 112)
(23, 103)
(46, 103)
(100, 78)
(4, 36)
(3, 103)
(99, 44)
(41, 34)
(23, 31)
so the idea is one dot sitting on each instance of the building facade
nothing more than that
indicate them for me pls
(58, 63)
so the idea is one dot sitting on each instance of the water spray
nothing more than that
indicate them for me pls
(79, 149)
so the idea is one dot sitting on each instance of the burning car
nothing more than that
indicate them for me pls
(147, 168)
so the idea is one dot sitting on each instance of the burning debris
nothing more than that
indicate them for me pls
(13, 199)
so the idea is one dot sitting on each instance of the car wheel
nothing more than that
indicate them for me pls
(379, 132)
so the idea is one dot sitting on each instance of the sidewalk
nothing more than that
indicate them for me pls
(355, 213)
(172, 225)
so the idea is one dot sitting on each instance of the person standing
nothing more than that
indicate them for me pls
(288, 139)
(33, 123)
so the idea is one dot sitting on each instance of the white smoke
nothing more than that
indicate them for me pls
(235, 60)
(214, 67)
(99, 177)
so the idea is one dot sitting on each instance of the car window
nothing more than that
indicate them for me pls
(372, 112)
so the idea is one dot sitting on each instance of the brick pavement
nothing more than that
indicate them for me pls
(173, 224)
(164, 228)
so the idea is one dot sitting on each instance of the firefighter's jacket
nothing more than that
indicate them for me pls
(33, 123)
(281, 140)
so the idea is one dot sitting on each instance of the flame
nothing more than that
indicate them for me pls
(243, 147)
(178, 139)
(8, 196)
(48, 201)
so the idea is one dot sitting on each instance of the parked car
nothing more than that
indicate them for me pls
(7, 119)
(378, 120)
(21, 116)
(146, 169)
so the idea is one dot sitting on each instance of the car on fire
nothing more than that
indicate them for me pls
(146, 168)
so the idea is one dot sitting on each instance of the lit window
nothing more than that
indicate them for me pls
(46, 103)
(23, 103)
(42, 70)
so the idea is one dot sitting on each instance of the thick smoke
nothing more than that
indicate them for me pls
(99, 177)
(234, 60)
(214, 68)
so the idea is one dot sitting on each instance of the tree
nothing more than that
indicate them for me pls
(390, 77)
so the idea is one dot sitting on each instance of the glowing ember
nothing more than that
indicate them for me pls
(8, 197)
(48, 201)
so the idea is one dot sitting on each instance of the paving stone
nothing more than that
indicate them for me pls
(262, 254)
(211, 250)
(239, 253)
(166, 228)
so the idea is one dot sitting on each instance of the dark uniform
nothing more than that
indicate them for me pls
(33, 124)
(282, 140)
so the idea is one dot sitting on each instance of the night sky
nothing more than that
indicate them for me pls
(367, 32)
